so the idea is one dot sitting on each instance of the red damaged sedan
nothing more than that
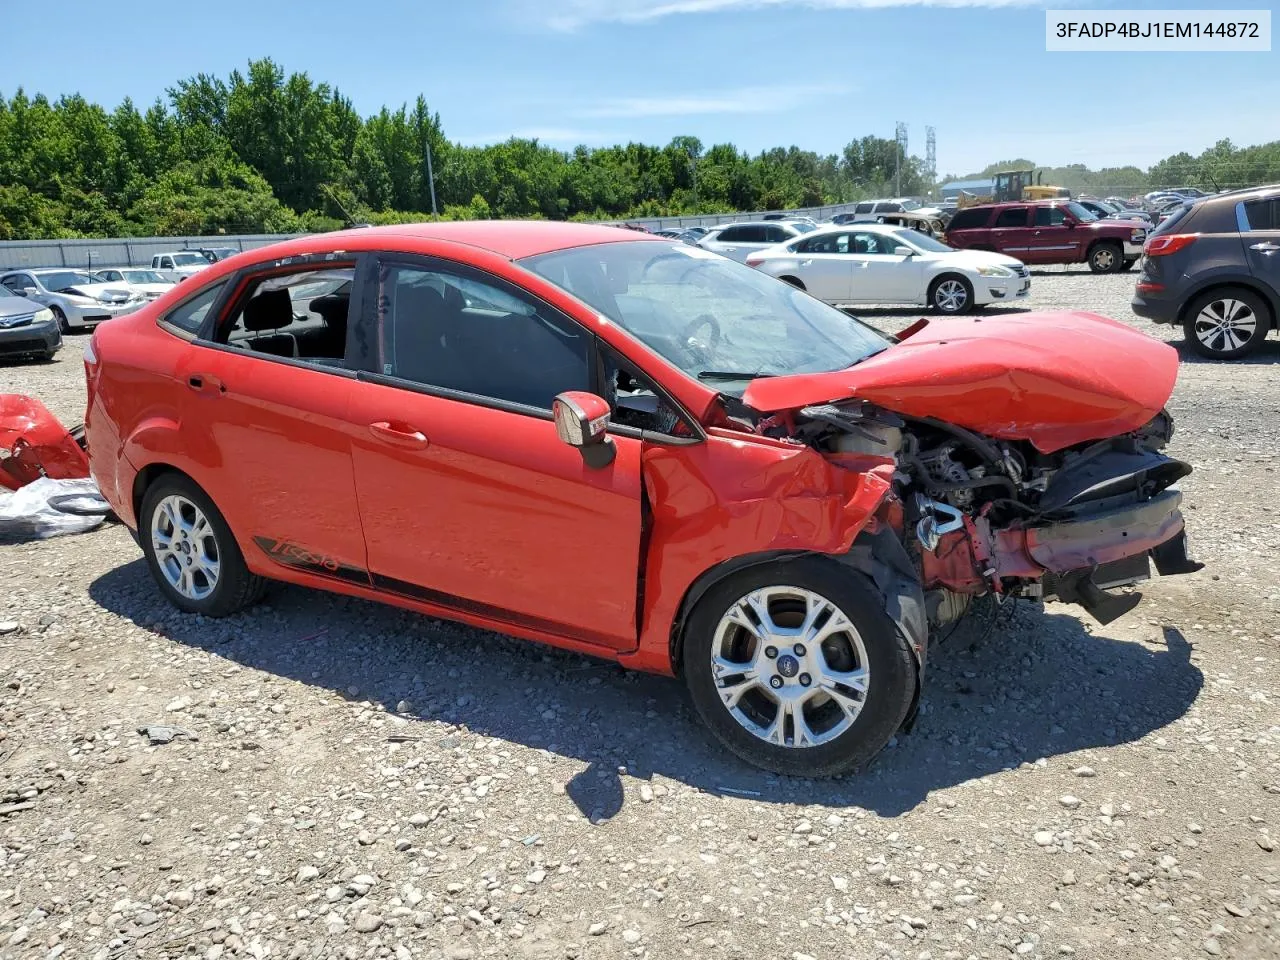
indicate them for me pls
(636, 449)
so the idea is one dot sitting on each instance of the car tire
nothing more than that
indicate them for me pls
(1106, 258)
(951, 294)
(846, 733)
(191, 551)
(794, 281)
(63, 326)
(1226, 323)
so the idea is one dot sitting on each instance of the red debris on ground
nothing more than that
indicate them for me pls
(33, 444)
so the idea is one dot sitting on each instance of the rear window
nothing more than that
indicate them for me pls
(1167, 225)
(968, 219)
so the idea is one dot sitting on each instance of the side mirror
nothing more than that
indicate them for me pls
(582, 421)
(1069, 222)
(903, 252)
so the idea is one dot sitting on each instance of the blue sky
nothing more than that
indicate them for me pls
(757, 73)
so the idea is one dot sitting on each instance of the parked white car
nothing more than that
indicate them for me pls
(147, 282)
(874, 263)
(76, 297)
(737, 240)
(179, 264)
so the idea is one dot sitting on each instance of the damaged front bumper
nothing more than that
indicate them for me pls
(1074, 560)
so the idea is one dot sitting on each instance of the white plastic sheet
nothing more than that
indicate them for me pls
(49, 508)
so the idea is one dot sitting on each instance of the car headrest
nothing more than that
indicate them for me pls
(268, 310)
(453, 298)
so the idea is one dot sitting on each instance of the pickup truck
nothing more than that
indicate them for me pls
(1048, 231)
(179, 264)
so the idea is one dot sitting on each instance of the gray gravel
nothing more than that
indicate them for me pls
(356, 781)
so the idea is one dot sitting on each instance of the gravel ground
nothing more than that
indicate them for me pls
(363, 782)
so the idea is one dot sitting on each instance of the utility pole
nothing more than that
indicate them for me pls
(431, 179)
(900, 138)
(931, 157)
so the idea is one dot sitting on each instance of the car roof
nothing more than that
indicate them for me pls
(513, 239)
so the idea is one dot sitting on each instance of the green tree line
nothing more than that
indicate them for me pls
(265, 151)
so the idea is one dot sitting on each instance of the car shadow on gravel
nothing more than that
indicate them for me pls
(1267, 354)
(1003, 690)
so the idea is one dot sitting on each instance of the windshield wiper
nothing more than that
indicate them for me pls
(731, 375)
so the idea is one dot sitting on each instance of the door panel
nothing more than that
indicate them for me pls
(827, 276)
(1262, 247)
(495, 515)
(278, 439)
(1011, 233)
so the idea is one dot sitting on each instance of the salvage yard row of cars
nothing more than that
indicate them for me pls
(638, 449)
(39, 306)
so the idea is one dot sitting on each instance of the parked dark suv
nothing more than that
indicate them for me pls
(1214, 267)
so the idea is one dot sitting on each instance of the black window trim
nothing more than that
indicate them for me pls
(215, 309)
(372, 374)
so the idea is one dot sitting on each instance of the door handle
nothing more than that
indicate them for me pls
(806, 263)
(402, 435)
(203, 383)
(1268, 248)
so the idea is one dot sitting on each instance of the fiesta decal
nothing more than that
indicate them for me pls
(294, 555)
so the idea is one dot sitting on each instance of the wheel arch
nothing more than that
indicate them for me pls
(147, 476)
(793, 280)
(706, 580)
(1221, 282)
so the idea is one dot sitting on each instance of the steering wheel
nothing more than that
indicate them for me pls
(701, 338)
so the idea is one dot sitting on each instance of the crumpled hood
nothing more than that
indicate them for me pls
(1054, 379)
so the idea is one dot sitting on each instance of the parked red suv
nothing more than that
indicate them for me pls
(1049, 231)
(637, 449)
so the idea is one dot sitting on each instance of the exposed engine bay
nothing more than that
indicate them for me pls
(985, 516)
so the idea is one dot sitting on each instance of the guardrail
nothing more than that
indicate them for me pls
(138, 251)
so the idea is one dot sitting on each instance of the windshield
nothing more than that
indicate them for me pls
(188, 259)
(921, 241)
(909, 205)
(710, 316)
(1079, 212)
(57, 282)
(142, 276)
(804, 227)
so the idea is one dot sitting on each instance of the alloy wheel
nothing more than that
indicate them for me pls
(1226, 324)
(790, 667)
(186, 548)
(951, 296)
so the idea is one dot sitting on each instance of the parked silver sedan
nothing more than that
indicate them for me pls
(148, 282)
(77, 298)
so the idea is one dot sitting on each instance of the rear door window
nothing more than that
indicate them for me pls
(1012, 217)
(1263, 214)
